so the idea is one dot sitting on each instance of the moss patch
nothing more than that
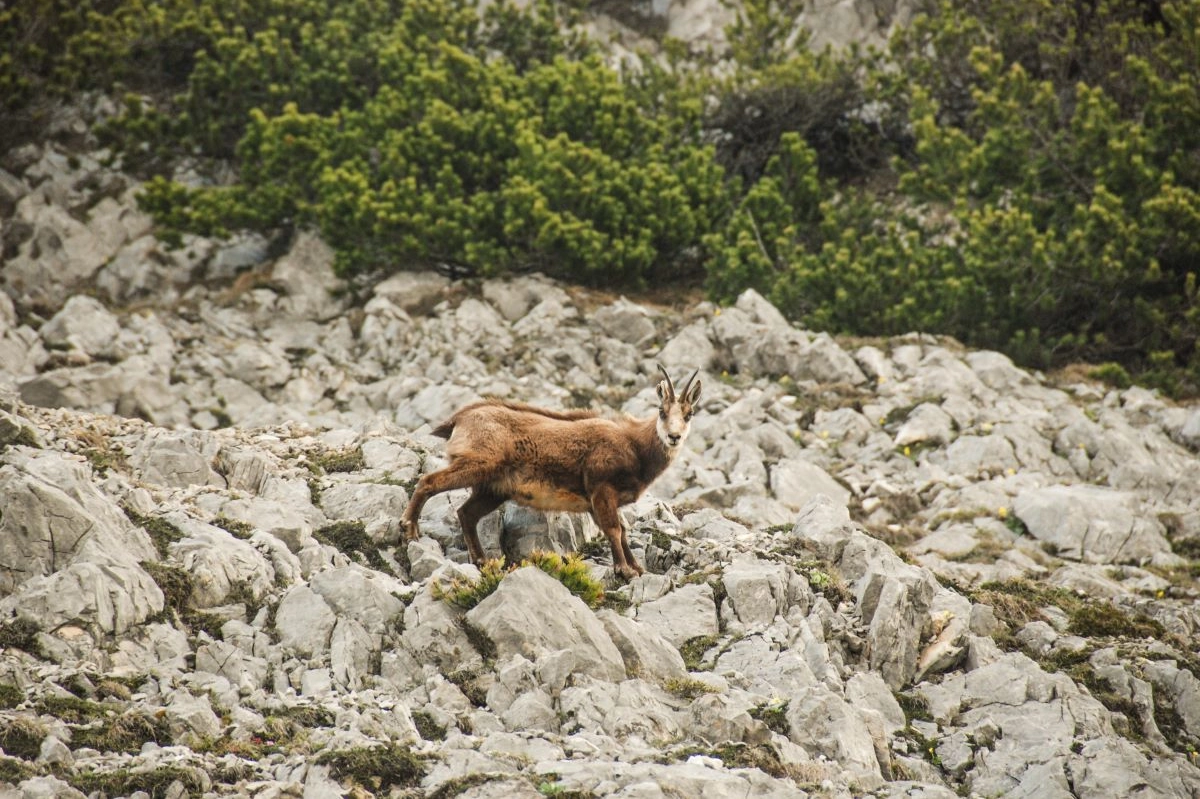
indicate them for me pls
(1017, 602)
(15, 771)
(340, 460)
(378, 768)
(471, 684)
(773, 714)
(1104, 619)
(350, 537)
(125, 733)
(162, 532)
(71, 709)
(23, 737)
(124, 782)
(693, 650)
(20, 633)
(175, 583)
(10, 696)
(427, 728)
(235, 527)
(737, 755)
(572, 571)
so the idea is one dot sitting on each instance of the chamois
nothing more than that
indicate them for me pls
(573, 461)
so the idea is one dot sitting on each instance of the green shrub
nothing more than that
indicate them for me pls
(1042, 207)
(572, 571)
(1021, 175)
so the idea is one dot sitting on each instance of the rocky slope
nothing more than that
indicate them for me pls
(892, 568)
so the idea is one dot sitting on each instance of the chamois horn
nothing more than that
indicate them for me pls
(670, 383)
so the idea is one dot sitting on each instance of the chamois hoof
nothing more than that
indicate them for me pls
(411, 531)
(628, 572)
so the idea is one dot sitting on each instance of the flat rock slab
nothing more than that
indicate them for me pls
(1092, 524)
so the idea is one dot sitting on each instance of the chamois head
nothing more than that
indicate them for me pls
(675, 411)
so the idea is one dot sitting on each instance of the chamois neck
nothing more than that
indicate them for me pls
(655, 455)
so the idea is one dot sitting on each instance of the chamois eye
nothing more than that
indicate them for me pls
(687, 417)
(662, 415)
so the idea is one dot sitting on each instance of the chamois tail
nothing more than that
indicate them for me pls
(444, 429)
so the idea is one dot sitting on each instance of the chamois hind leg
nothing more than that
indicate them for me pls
(481, 502)
(637, 567)
(461, 474)
(604, 511)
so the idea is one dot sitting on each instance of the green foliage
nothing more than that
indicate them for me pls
(693, 650)
(423, 135)
(1022, 176)
(162, 532)
(10, 696)
(20, 633)
(572, 571)
(689, 687)
(1048, 195)
(773, 714)
(466, 594)
(350, 536)
(235, 527)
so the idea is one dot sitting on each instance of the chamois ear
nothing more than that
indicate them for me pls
(693, 394)
(663, 392)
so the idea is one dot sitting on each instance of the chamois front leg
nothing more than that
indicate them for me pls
(605, 512)
(460, 474)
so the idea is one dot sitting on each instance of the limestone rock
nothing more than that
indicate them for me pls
(304, 621)
(685, 613)
(1092, 524)
(531, 613)
(83, 324)
(819, 719)
(795, 481)
(646, 654)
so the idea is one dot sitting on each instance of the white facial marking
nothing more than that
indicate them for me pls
(673, 425)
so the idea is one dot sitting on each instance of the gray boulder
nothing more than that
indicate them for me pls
(687, 612)
(646, 654)
(221, 565)
(379, 506)
(367, 596)
(54, 516)
(414, 292)
(304, 621)
(820, 720)
(532, 613)
(176, 459)
(84, 325)
(758, 591)
(626, 321)
(305, 276)
(1093, 524)
(795, 481)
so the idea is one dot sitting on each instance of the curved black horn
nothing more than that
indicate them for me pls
(689, 382)
(667, 377)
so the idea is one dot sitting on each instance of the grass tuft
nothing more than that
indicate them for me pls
(572, 571)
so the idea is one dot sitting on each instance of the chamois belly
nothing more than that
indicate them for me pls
(546, 496)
